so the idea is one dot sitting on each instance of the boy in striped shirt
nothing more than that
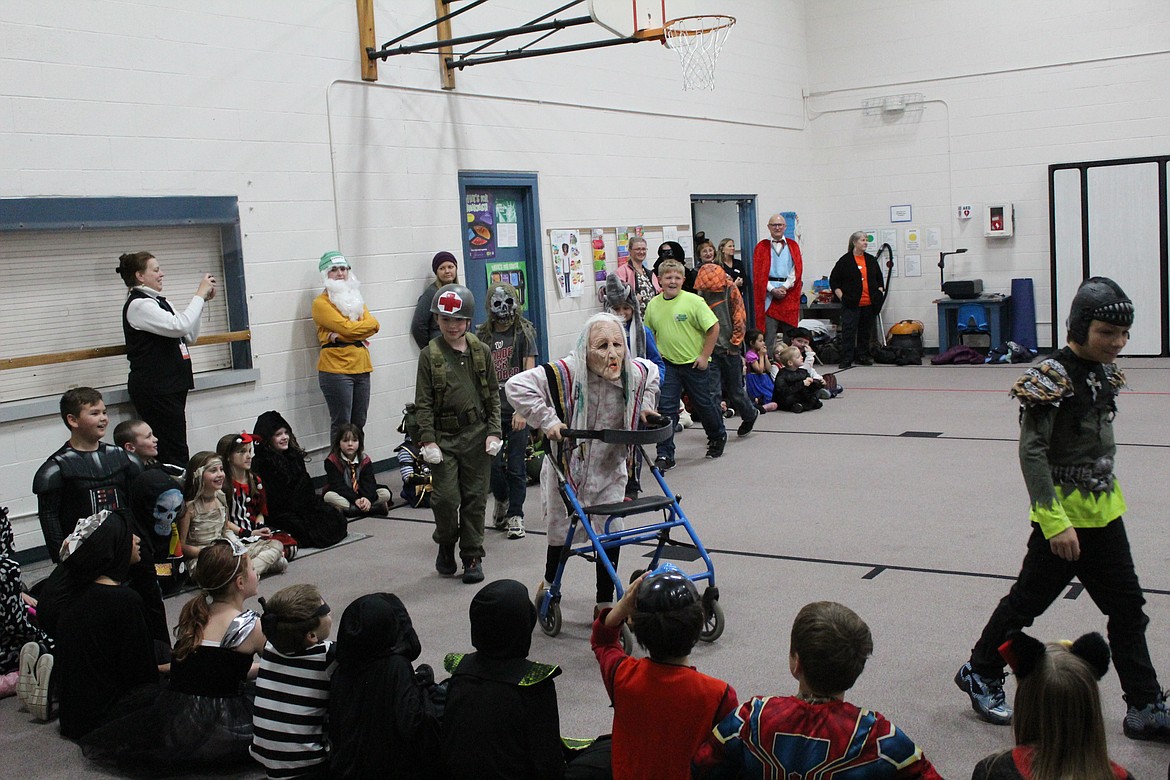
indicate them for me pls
(292, 690)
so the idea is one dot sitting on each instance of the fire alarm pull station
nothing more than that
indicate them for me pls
(998, 219)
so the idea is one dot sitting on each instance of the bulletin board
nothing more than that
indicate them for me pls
(580, 258)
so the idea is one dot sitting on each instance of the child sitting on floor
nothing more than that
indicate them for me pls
(17, 618)
(501, 717)
(760, 387)
(796, 391)
(798, 736)
(138, 441)
(662, 706)
(293, 503)
(349, 476)
(801, 338)
(204, 717)
(206, 517)
(247, 500)
(381, 720)
(292, 690)
(1057, 719)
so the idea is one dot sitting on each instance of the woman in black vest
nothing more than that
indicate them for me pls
(156, 346)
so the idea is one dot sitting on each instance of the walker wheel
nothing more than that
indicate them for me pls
(713, 624)
(550, 621)
(627, 639)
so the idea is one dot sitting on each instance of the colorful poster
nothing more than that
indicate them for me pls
(481, 225)
(598, 244)
(510, 272)
(568, 265)
(507, 235)
(623, 246)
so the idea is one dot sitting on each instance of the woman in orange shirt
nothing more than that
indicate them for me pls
(857, 282)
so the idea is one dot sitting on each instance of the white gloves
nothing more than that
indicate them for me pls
(432, 454)
(493, 447)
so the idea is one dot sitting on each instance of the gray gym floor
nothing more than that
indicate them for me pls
(902, 499)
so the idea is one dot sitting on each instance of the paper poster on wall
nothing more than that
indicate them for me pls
(669, 233)
(510, 272)
(913, 240)
(597, 244)
(933, 238)
(889, 236)
(871, 237)
(507, 235)
(623, 246)
(913, 265)
(567, 262)
(481, 224)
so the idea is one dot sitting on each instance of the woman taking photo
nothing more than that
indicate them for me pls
(857, 282)
(157, 341)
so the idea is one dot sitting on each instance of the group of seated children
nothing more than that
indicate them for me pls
(791, 382)
(255, 488)
(358, 708)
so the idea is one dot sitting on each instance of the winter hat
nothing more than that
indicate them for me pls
(332, 259)
(440, 258)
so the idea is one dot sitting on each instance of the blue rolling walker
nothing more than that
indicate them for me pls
(549, 607)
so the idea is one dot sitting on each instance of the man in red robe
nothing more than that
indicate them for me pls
(777, 268)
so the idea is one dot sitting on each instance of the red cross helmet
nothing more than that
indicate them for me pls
(453, 300)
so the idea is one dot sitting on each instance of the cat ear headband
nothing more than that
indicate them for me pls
(1023, 652)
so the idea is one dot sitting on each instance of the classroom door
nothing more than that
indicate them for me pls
(501, 242)
(730, 216)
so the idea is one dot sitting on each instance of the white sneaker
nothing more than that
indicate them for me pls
(684, 418)
(28, 672)
(39, 702)
(500, 515)
(515, 527)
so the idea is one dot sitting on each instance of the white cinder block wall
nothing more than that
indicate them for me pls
(1010, 89)
(264, 102)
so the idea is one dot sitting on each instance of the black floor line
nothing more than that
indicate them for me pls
(872, 570)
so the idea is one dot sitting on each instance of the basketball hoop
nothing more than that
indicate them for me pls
(698, 41)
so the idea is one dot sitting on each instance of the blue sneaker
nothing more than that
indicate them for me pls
(1149, 722)
(987, 696)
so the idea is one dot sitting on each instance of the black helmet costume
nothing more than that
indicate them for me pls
(1098, 298)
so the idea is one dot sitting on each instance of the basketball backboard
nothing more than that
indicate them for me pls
(639, 18)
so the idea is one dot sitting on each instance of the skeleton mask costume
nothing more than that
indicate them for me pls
(503, 301)
(166, 508)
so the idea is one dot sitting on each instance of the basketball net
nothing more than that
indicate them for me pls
(698, 41)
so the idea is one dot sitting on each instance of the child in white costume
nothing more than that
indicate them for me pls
(597, 386)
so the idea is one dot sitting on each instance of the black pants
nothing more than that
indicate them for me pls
(1106, 570)
(856, 332)
(728, 368)
(166, 414)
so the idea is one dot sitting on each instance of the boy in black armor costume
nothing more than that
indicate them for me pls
(1067, 405)
(86, 475)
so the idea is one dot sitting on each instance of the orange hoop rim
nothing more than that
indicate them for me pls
(673, 28)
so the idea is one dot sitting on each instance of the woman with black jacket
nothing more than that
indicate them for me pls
(857, 282)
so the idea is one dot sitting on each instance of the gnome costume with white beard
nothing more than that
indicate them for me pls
(344, 325)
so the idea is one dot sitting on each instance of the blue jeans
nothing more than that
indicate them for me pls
(509, 471)
(700, 386)
(347, 396)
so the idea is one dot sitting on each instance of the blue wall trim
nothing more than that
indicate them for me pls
(66, 213)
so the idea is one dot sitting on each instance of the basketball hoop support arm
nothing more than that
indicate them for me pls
(556, 24)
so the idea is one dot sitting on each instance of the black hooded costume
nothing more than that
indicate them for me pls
(501, 719)
(104, 661)
(293, 504)
(381, 721)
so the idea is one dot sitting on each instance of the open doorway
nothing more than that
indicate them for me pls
(734, 217)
